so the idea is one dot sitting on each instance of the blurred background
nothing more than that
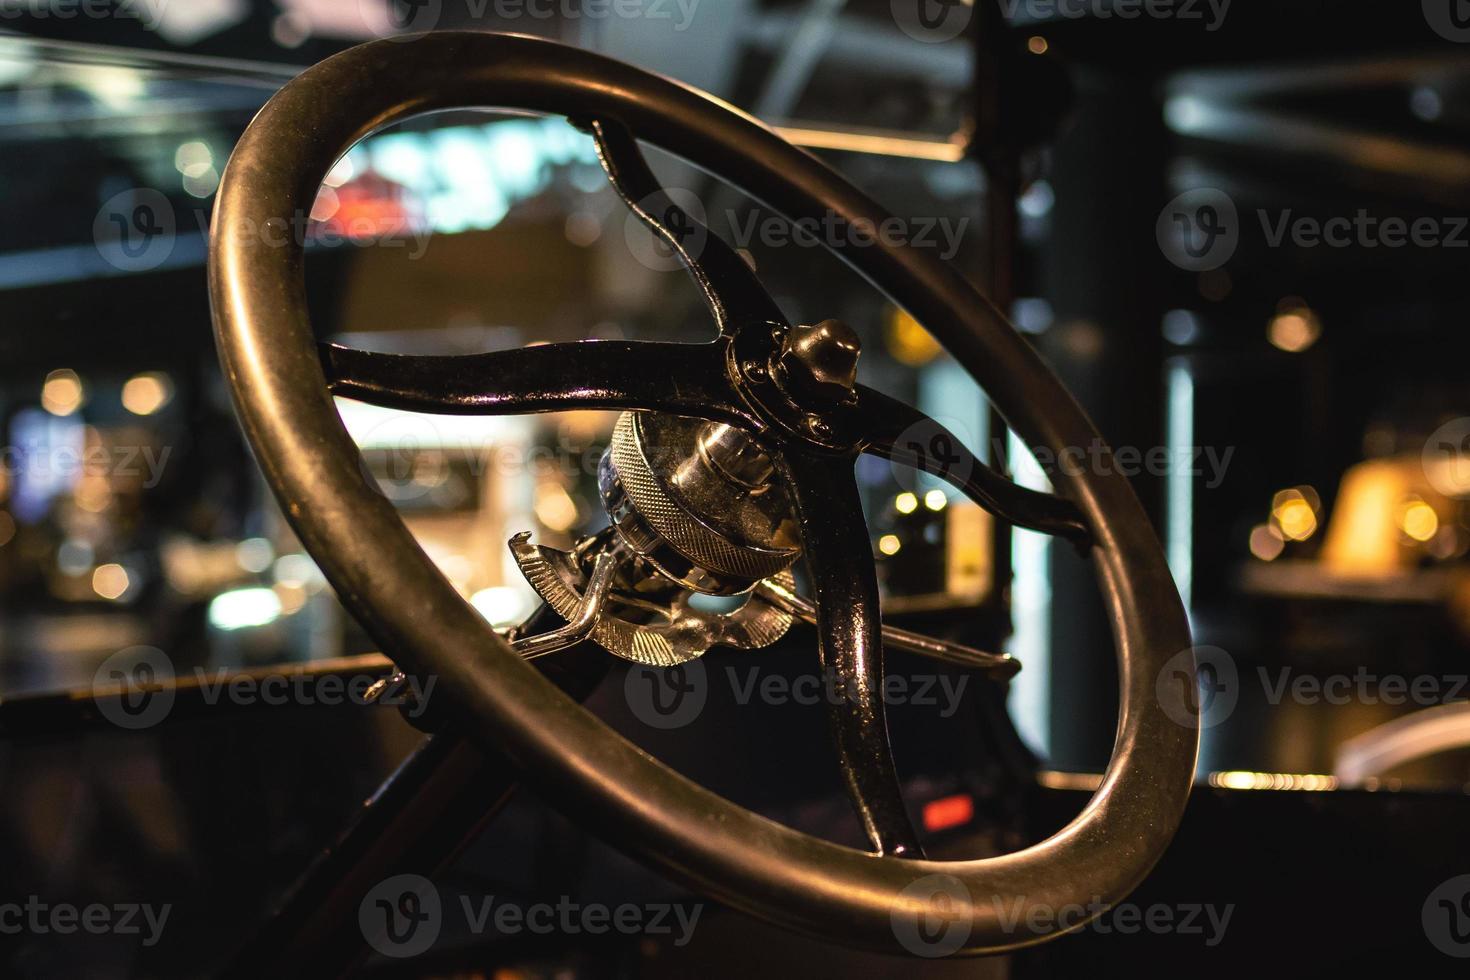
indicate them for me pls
(133, 514)
(1239, 235)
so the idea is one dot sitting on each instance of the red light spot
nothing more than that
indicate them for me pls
(948, 811)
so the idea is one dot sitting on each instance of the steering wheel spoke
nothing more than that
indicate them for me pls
(845, 583)
(682, 379)
(735, 296)
(903, 434)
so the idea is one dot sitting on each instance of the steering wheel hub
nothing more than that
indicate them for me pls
(700, 501)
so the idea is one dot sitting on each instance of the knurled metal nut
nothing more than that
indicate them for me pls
(681, 530)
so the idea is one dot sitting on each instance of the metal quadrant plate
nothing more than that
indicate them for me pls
(686, 635)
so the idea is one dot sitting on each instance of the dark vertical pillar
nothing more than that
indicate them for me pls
(1103, 275)
(997, 147)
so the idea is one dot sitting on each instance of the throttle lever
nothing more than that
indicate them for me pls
(1002, 665)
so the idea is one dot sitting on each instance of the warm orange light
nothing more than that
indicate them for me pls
(908, 342)
(62, 393)
(1362, 539)
(1294, 515)
(554, 507)
(1310, 782)
(1418, 520)
(144, 394)
(948, 811)
(1294, 330)
(110, 581)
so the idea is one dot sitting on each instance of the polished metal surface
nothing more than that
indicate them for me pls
(735, 297)
(664, 636)
(735, 455)
(819, 363)
(663, 495)
(999, 665)
(582, 617)
(281, 393)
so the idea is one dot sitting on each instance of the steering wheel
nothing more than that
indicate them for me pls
(814, 428)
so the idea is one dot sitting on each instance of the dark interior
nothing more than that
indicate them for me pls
(1237, 234)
